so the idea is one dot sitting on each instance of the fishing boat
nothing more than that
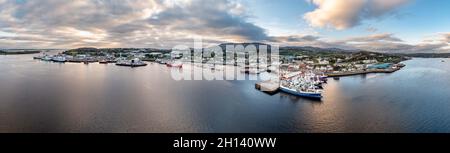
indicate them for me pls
(39, 57)
(308, 93)
(47, 58)
(208, 66)
(132, 63)
(323, 78)
(175, 64)
(59, 58)
(219, 67)
(161, 61)
(302, 84)
(273, 69)
(89, 60)
(103, 61)
(253, 69)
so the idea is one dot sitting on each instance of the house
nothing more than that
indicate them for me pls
(324, 62)
(370, 61)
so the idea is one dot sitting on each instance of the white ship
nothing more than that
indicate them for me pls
(59, 58)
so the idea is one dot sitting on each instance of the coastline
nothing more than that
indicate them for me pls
(19, 52)
(342, 74)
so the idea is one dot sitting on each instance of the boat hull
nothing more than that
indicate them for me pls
(174, 66)
(59, 60)
(301, 94)
(131, 65)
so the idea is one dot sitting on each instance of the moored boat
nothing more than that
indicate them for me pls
(309, 93)
(305, 84)
(103, 62)
(47, 58)
(161, 61)
(175, 64)
(323, 78)
(132, 63)
(38, 57)
(59, 58)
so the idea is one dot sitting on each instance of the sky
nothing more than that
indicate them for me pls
(375, 25)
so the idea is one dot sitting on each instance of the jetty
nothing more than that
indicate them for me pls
(342, 74)
(268, 86)
(380, 68)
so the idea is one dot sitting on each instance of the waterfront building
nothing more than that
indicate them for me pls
(380, 66)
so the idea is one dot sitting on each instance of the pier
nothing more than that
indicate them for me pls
(342, 74)
(269, 86)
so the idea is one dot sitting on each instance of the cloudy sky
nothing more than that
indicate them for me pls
(376, 25)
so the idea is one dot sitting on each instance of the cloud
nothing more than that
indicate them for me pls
(210, 18)
(343, 14)
(166, 23)
(122, 23)
(387, 42)
(389, 47)
(384, 42)
(371, 29)
(446, 37)
(386, 37)
(295, 38)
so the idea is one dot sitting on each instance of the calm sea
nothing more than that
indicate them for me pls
(37, 96)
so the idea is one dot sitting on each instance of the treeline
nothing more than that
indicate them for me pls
(429, 55)
(3, 52)
(101, 51)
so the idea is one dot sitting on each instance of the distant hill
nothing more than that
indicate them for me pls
(316, 49)
(87, 49)
(98, 51)
(18, 51)
(287, 50)
(429, 55)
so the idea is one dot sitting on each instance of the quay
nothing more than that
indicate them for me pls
(342, 74)
(269, 86)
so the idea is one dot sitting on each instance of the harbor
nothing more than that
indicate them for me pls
(308, 83)
(303, 76)
(302, 84)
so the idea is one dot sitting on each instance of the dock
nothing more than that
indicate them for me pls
(342, 74)
(269, 86)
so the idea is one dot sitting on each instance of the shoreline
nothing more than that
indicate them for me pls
(19, 53)
(343, 74)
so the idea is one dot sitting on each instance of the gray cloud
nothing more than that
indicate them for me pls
(209, 17)
(296, 38)
(121, 23)
(164, 24)
(390, 47)
(388, 37)
(371, 29)
(386, 43)
(446, 37)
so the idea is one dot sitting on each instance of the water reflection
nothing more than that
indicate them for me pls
(49, 97)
